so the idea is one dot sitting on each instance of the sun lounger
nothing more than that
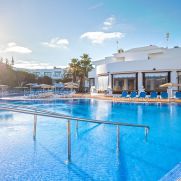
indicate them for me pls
(164, 95)
(142, 95)
(133, 94)
(178, 97)
(153, 95)
(124, 94)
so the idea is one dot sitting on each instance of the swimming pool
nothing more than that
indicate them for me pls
(94, 151)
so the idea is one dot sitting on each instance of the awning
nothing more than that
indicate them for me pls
(31, 84)
(156, 74)
(58, 85)
(170, 84)
(21, 87)
(46, 86)
(3, 86)
(133, 75)
(71, 85)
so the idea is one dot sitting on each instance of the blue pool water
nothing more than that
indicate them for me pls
(94, 148)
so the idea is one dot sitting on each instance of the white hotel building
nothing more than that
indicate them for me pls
(144, 68)
(54, 73)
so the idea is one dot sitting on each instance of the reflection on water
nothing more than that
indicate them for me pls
(96, 152)
(5, 116)
(102, 110)
(139, 114)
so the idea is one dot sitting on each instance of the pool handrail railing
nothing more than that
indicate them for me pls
(40, 112)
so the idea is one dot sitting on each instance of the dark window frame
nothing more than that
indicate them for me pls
(144, 78)
(136, 81)
(179, 80)
(90, 82)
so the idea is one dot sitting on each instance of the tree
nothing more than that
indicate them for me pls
(1, 60)
(13, 78)
(12, 61)
(74, 68)
(86, 64)
(79, 69)
(7, 61)
(22, 78)
(7, 74)
(44, 80)
(86, 67)
(67, 76)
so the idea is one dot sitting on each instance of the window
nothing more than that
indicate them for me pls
(179, 79)
(36, 74)
(57, 74)
(49, 74)
(124, 82)
(152, 81)
(91, 82)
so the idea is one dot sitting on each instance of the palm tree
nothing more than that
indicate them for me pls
(86, 64)
(80, 68)
(74, 68)
(86, 67)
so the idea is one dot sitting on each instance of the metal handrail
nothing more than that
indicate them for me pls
(40, 112)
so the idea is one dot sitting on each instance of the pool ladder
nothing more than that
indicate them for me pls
(40, 112)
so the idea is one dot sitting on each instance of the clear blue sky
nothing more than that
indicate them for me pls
(51, 32)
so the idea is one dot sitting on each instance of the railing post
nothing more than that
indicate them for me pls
(34, 126)
(69, 140)
(77, 125)
(146, 133)
(76, 128)
(118, 138)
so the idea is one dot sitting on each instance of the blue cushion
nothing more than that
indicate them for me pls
(153, 95)
(164, 95)
(178, 95)
(133, 94)
(124, 94)
(142, 95)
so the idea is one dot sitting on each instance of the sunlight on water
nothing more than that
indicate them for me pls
(95, 151)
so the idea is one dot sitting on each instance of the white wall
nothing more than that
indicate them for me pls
(160, 60)
(137, 66)
(136, 56)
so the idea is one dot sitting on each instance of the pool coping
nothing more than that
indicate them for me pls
(103, 98)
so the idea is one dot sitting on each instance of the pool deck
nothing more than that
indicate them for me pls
(173, 175)
(119, 99)
(100, 97)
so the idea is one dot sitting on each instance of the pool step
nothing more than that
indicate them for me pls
(173, 175)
